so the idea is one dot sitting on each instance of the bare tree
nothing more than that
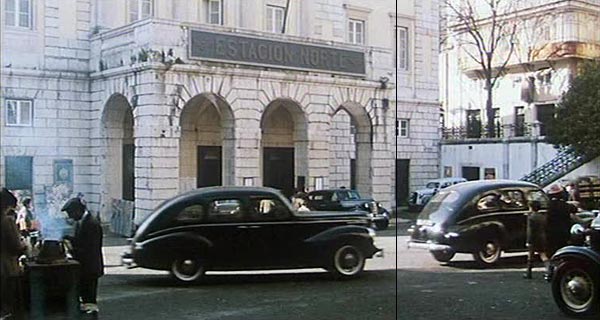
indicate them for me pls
(485, 31)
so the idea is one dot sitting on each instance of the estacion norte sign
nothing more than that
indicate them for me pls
(220, 47)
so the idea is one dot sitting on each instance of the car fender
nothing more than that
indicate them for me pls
(333, 235)
(173, 242)
(576, 252)
(475, 233)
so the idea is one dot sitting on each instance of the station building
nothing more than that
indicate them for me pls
(132, 102)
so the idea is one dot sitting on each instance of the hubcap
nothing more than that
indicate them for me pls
(490, 252)
(577, 290)
(348, 260)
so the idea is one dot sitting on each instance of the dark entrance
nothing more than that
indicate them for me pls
(209, 166)
(278, 169)
(353, 174)
(128, 172)
(402, 178)
(470, 173)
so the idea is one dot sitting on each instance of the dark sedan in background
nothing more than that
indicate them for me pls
(348, 200)
(480, 217)
(246, 228)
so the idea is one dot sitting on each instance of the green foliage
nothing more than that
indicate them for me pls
(577, 120)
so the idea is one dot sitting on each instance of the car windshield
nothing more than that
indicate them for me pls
(348, 195)
(438, 208)
(432, 185)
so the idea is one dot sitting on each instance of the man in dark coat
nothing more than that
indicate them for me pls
(561, 216)
(87, 249)
(11, 247)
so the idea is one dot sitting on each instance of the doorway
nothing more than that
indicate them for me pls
(470, 173)
(128, 171)
(278, 169)
(402, 180)
(209, 166)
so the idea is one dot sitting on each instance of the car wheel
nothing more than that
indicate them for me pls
(489, 254)
(382, 224)
(576, 289)
(348, 261)
(443, 256)
(187, 269)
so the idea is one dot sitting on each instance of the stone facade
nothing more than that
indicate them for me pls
(140, 119)
(553, 38)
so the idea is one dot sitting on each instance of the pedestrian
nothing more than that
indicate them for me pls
(536, 236)
(561, 216)
(87, 250)
(299, 197)
(573, 191)
(11, 248)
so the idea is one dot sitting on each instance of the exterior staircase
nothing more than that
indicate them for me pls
(565, 161)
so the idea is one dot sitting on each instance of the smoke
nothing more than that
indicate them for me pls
(53, 227)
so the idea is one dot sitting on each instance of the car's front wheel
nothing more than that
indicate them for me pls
(576, 289)
(187, 269)
(348, 261)
(489, 253)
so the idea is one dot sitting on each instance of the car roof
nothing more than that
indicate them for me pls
(207, 191)
(332, 190)
(441, 180)
(486, 185)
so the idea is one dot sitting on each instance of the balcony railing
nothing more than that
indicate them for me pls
(499, 131)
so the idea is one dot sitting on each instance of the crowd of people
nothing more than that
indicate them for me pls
(19, 239)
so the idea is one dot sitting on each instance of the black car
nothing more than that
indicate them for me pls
(575, 274)
(348, 200)
(479, 217)
(246, 228)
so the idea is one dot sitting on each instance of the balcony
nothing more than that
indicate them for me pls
(474, 132)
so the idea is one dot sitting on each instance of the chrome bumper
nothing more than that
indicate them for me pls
(428, 246)
(127, 261)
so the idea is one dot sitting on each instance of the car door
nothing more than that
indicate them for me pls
(513, 216)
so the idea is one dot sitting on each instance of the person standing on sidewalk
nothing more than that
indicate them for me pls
(87, 250)
(536, 237)
(11, 247)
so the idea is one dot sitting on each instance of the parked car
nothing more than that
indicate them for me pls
(419, 198)
(244, 228)
(482, 217)
(575, 274)
(348, 200)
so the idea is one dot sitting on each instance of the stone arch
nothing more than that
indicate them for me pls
(207, 142)
(350, 147)
(117, 137)
(284, 145)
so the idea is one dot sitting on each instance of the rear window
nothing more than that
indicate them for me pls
(440, 205)
(432, 185)
(348, 195)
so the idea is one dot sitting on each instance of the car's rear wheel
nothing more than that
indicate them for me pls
(348, 261)
(443, 255)
(187, 269)
(489, 253)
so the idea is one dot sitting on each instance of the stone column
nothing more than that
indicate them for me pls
(156, 136)
(247, 152)
(318, 145)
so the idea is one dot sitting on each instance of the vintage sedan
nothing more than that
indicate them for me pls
(479, 217)
(348, 200)
(248, 228)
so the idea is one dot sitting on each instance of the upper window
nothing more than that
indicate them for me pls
(275, 19)
(356, 31)
(191, 214)
(401, 48)
(403, 128)
(18, 13)
(18, 112)
(214, 12)
(139, 9)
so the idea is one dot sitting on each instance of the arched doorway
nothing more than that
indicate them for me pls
(117, 133)
(350, 148)
(207, 143)
(284, 145)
